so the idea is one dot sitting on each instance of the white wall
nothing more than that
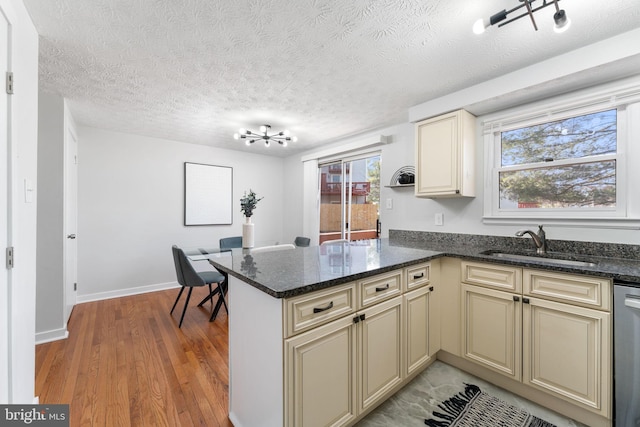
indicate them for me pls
(461, 215)
(50, 274)
(23, 134)
(131, 202)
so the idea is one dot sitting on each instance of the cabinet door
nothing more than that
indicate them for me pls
(380, 351)
(437, 156)
(566, 352)
(491, 329)
(416, 308)
(320, 376)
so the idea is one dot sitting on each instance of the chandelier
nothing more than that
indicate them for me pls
(282, 137)
(562, 22)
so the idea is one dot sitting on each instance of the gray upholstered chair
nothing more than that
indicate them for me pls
(231, 242)
(302, 241)
(188, 277)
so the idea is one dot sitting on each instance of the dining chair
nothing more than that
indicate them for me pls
(188, 277)
(333, 242)
(302, 241)
(231, 242)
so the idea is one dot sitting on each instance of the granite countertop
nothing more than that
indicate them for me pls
(286, 273)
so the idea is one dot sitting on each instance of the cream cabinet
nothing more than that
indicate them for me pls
(492, 322)
(379, 358)
(567, 346)
(417, 310)
(554, 335)
(347, 348)
(445, 156)
(320, 387)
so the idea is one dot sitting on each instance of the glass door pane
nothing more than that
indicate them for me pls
(331, 202)
(349, 199)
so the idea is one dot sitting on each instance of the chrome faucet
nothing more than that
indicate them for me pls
(540, 239)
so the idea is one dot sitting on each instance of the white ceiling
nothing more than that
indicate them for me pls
(197, 70)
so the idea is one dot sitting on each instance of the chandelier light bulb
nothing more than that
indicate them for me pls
(562, 22)
(267, 143)
(286, 132)
(263, 128)
(236, 136)
(242, 131)
(294, 138)
(479, 27)
(247, 143)
(284, 143)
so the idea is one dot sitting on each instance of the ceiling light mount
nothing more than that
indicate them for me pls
(562, 22)
(282, 137)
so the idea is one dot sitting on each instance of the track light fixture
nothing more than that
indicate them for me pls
(282, 137)
(562, 22)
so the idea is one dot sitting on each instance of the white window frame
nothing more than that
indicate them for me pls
(623, 96)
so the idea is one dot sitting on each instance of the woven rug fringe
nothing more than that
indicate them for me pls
(454, 406)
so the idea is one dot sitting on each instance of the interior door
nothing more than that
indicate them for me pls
(349, 198)
(71, 220)
(5, 307)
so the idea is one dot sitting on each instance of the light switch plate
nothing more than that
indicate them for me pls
(389, 204)
(439, 218)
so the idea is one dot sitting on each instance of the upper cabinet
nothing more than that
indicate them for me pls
(445, 156)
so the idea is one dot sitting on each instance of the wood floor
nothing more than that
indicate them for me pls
(126, 363)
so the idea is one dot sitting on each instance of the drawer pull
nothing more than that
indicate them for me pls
(418, 276)
(525, 300)
(382, 288)
(516, 298)
(321, 309)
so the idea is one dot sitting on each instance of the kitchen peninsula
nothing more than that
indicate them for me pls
(322, 335)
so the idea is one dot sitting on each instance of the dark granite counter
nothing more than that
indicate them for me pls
(286, 273)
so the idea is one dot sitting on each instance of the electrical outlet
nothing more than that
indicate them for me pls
(389, 204)
(439, 218)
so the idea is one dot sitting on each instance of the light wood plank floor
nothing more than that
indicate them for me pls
(126, 363)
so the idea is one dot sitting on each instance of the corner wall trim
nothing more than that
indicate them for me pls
(53, 335)
(126, 292)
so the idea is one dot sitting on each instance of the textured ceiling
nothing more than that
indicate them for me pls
(197, 70)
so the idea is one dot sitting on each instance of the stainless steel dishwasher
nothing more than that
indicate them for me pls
(626, 335)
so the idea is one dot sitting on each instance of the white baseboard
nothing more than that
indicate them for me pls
(126, 292)
(53, 335)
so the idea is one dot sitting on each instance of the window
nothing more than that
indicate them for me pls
(570, 162)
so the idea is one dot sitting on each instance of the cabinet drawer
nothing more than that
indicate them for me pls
(417, 275)
(577, 289)
(501, 277)
(314, 309)
(379, 288)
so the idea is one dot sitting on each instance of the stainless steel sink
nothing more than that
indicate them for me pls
(546, 259)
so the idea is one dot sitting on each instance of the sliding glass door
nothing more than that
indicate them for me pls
(349, 198)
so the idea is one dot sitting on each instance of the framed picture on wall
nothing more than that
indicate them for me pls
(208, 194)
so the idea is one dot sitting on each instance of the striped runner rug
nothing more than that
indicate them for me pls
(474, 408)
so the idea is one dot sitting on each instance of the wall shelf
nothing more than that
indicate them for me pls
(403, 170)
(399, 185)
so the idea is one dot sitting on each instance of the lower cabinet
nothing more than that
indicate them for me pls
(418, 351)
(492, 329)
(565, 352)
(558, 347)
(321, 376)
(337, 371)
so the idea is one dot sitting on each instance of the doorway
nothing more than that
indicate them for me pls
(349, 198)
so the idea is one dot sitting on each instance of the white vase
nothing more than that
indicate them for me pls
(247, 233)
